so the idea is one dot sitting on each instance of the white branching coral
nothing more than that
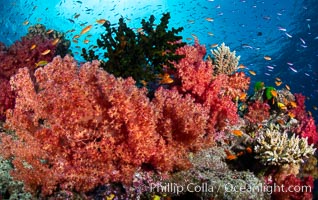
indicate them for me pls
(226, 62)
(276, 148)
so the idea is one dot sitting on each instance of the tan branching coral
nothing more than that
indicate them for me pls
(226, 62)
(276, 148)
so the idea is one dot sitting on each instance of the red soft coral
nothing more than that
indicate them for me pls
(17, 56)
(6, 97)
(294, 188)
(257, 112)
(182, 124)
(216, 93)
(195, 73)
(306, 127)
(78, 128)
(20, 54)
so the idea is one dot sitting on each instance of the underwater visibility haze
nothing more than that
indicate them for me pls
(151, 99)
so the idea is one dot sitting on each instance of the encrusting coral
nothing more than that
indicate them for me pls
(276, 148)
(226, 62)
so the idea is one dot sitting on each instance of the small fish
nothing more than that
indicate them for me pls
(293, 104)
(76, 16)
(238, 133)
(139, 30)
(214, 45)
(309, 113)
(290, 64)
(240, 153)
(100, 21)
(315, 107)
(26, 22)
(210, 34)
(55, 41)
(209, 19)
(291, 115)
(282, 29)
(267, 58)
(231, 157)
(293, 69)
(241, 66)
(274, 93)
(252, 72)
(75, 41)
(288, 35)
(86, 29)
(45, 52)
(33, 47)
(75, 37)
(302, 40)
(281, 106)
(49, 31)
(144, 83)
(86, 41)
(270, 67)
(194, 35)
(243, 96)
(287, 87)
(165, 79)
(278, 83)
(41, 63)
(278, 79)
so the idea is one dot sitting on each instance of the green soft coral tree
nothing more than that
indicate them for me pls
(142, 54)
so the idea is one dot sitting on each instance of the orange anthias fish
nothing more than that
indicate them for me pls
(55, 41)
(229, 155)
(278, 83)
(274, 93)
(243, 96)
(165, 79)
(237, 132)
(33, 47)
(45, 52)
(101, 21)
(49, 31)
(267, 58)
(252, 72)
(86, 29)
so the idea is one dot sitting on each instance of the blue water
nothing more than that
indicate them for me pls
(285, 30)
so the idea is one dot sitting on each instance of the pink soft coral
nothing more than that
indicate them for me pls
(6, 97)
(257, 112)
(216, 93)
(77, 128)
(306, 127)
(17, 56)
(182, 124)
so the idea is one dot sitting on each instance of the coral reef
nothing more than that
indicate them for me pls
(141, 55)
(6, 97)
(226, 62)
(276, 148)
(195, 77)
(9, 188)
(62, 46)
(152, 119)
(257, 112)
